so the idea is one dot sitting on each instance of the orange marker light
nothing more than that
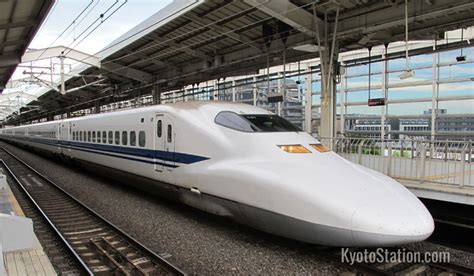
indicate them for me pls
(294, 148)
(320, 147)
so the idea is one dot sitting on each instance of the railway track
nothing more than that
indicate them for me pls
(400, 267)
(92, 244)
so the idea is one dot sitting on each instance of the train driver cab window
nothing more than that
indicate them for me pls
(98, 137)
(117, 137)
(234, 121)
(254, 122)
(141, 138)
(133, 138)
(104, 137)
(170, 133)
(89, 136)
(124, 138)
(93, 136)
(159, 128)
(111, 137)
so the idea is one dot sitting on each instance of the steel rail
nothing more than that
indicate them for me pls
(149, 253)
(49, 222)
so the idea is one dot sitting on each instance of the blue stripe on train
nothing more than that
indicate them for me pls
(177, 157)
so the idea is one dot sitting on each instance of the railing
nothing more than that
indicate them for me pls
(443, 162)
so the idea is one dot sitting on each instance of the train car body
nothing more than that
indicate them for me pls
(243, 162)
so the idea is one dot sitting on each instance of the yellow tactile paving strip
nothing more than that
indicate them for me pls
(445, 176)
(467, 191)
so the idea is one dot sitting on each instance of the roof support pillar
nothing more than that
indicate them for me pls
(328, 98)
(97, 107)
(156, 93)
(308, 101)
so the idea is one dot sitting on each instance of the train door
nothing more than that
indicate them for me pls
(159, 143)
(164, 142)
(69, 138)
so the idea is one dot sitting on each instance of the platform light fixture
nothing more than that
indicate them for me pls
(311, 48)
(461, 57)
(407, 74)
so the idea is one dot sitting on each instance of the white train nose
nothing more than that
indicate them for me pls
(391, 223)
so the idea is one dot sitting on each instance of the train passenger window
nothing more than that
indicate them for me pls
(98, 136)
(159, 128)
(124, 138)
(170, 133)
(85, 136)
(111, 137)
(117, 137)
(133, 138)
(93, 136)
(104, 137)
(89, 136)
(74, 135)
(80, 135)
(141, 138)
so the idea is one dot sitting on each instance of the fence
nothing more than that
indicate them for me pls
(444, 162)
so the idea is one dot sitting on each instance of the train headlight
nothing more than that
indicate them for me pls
(320, 147)
(294, 148)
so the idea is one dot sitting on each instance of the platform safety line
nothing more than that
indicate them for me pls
(446, 175)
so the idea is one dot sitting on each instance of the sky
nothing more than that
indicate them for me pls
(64, 13)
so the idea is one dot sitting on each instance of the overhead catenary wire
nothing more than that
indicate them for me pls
(69, 26)
(102, 20)
(78, 23)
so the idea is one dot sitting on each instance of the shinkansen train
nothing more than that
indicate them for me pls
(243, 162)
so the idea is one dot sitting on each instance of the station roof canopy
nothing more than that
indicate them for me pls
(191, 41)
(19, 22)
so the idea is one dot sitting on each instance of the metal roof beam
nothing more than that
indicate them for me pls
(180, 46)
(27, 23)
(152, 59)
(39, 54)
(87, 59)
(12, 43)
(127, 72)
(9, 60)
(287, 12)
(229, 32)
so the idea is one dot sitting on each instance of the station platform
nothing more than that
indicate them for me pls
(442, 192)
(31, 261)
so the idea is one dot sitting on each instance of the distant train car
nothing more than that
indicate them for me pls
(243, 162)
